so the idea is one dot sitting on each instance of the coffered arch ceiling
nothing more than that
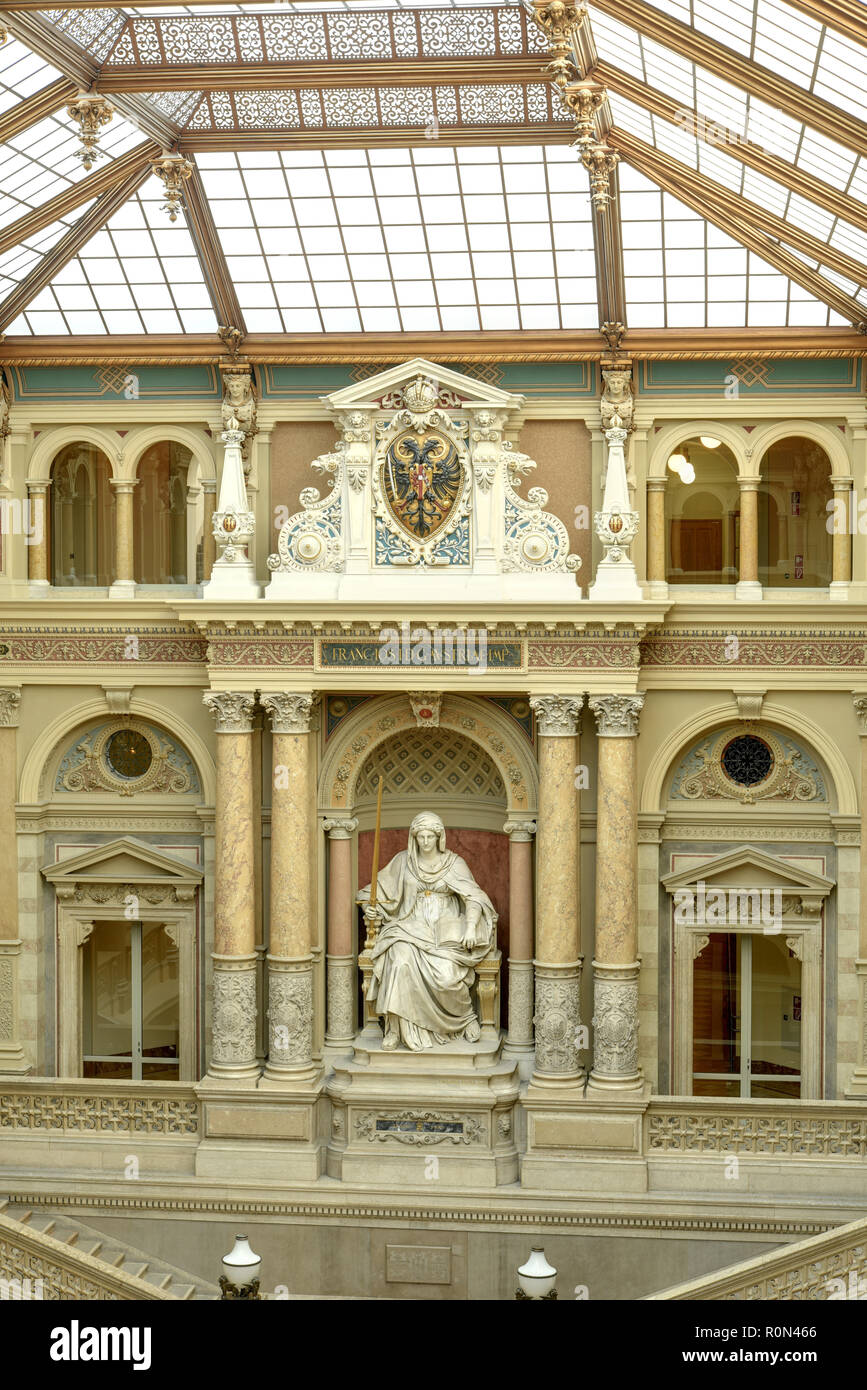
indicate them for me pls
(413, 167)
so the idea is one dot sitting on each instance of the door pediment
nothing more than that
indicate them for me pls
(749, 867)
(125, 860)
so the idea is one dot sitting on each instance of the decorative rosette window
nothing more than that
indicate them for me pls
(423, 483)
(129, 757)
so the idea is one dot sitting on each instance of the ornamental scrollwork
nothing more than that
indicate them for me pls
(725, 766)
(128, 757)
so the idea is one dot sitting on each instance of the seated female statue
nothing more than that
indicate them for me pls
(434, 924)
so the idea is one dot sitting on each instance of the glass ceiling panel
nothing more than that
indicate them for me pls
(22, 74)
(710, 160)
(780, 39)
(682, 272)
(139, 275)
(406, 240)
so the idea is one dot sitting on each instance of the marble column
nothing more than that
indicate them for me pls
(656, 535)
(291, 938)
(616, 965)
(233, 1053)
(519, 1038)
(858, 1084)
(12, 1059)
(558, 918)
(748, 586)
(341, 963)
(124, 544)
(37, 554)
(841, 541)
(209, 544)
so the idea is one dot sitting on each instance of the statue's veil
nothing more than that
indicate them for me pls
(426, 820)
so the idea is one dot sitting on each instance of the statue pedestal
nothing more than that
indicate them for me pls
(444, 1118)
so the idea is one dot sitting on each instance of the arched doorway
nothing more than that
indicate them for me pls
(702, 513)
(795, 538)
(161, 540)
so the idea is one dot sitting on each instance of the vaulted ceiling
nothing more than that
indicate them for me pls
(385, 168)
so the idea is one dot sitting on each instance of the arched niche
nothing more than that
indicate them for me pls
(82, 525)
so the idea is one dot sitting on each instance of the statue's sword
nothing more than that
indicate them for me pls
(374, 872)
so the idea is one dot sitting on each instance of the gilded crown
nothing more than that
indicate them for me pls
(420, 396)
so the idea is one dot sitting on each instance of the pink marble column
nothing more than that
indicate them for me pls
(233, 1050)
(292, 934)
(616, 964)
(341, 962)
(521, 935)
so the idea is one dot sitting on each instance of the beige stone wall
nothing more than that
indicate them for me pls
(294, 446)
(561, 449)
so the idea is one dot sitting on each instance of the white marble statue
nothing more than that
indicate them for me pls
(434, 925)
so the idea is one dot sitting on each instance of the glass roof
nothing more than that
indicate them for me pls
(430, 238)
(459, 228)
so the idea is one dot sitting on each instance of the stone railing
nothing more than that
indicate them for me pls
(801, 1129)
(829, 1266)
(139, 1108)
(36, 1266)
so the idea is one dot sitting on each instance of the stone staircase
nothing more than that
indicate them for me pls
(171, 1282)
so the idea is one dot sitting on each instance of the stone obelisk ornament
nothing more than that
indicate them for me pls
(429, 925)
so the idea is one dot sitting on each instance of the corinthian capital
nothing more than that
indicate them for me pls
(860, 703)
(559, 716)
(617, 715)
(290, 714)
(233, 710)
(9, 702)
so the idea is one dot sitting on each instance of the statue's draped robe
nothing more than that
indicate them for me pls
(425, 954)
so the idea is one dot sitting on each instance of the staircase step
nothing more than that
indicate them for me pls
(159, 1273)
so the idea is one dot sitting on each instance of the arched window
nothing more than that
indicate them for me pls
(161, 515)
(795, 540)
(82, 516)
(702, 513)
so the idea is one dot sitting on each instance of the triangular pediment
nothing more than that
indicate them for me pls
(124, 860)
(749, 867)
(474, 392)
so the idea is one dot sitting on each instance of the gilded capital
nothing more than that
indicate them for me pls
(9, 702)
(233, 710)
(617, 715)
(558, 716)
(289, 714)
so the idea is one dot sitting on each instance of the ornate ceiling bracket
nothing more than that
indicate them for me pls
(172, 171)
(560, 21)
(91, 111)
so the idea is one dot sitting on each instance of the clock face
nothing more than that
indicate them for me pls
(128, 753)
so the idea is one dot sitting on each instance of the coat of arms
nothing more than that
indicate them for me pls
(422, 479)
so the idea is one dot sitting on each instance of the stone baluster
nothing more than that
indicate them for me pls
(233, 1052)
(12, 1059)
(616, 964)
(748, 586)
(341, 966)
(519, 1038)
(558, 903)
(291, 938)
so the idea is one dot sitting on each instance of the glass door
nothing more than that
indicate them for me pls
(746, 1018)
(131, 1023)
